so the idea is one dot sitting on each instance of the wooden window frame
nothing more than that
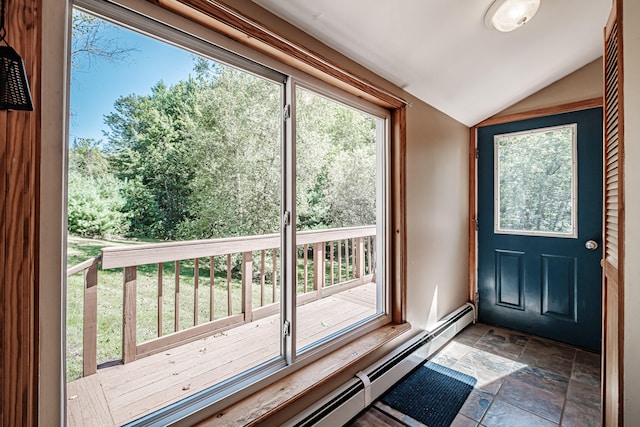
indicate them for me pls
(51, 126)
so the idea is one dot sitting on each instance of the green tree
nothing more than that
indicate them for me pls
(150, 140)
(536, 181)
(86, 158)
(336, 164)
(95, 206)
(350, 191)
(201, 159)
(236, 186)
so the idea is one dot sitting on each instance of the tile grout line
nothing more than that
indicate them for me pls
(566, 395)
(495, 396)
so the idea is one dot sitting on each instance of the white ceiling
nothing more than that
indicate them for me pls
(441, 52)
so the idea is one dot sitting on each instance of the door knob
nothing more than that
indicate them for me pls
(592, 245)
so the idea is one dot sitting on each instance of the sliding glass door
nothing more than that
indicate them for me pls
(224, 219)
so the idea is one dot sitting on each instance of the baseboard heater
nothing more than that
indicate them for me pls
(358, 393)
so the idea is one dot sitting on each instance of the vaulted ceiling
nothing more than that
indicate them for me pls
(441, 52)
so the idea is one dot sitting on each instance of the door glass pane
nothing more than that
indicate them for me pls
(337, 203)
(535, 182)
(175, 185)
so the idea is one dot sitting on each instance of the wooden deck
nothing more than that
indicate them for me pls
(119, 394)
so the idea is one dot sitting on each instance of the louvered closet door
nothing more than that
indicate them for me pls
(613, 222)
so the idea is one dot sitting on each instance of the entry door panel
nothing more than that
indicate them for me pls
(535, 273)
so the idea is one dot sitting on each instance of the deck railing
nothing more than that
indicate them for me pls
(339, 259)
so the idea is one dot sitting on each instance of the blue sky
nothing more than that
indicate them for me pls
(96, 86)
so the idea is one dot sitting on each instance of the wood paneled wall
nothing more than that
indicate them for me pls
(19, 177)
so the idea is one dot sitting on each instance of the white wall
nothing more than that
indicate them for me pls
(437, 214)
(584, 83)
(631, 34)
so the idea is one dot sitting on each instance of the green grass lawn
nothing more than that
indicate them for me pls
(110, 296)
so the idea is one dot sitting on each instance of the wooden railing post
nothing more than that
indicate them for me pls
(176, 298)
(375, 256)
(318, 268)
(129, 316)
(274, 274)
(160, 295)
(367, 252)
(305, 261)
(262, 278)
(229, 299)
(339, 242)
(212, 293)
(90, 328)
(358, 270)
(196, 284)
(247, 285)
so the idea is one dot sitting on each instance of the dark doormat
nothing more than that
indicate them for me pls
(432, 394)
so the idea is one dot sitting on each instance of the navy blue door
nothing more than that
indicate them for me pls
(539, 219)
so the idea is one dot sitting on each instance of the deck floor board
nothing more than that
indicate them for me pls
(123, 393)
(86, 404)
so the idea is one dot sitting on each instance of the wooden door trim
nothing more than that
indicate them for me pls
(542, 112)
(473, 216)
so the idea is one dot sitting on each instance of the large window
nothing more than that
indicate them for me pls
(224, 219)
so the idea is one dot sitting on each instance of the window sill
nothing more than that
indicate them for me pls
(309, 382)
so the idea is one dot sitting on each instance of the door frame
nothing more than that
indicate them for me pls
(473, 173)
(552, 283)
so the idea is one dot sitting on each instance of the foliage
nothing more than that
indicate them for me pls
(536, 181)
(142, 210)
(235, 190)
(95, 204)
(150, 146)
(86, 158)
(336, 164)
(202, 158)
(350, 192)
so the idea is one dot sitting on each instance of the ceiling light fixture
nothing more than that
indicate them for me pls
(509, 15)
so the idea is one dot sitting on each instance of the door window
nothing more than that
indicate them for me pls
(535, 182)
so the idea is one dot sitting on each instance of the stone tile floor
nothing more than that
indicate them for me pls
(523, 380)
